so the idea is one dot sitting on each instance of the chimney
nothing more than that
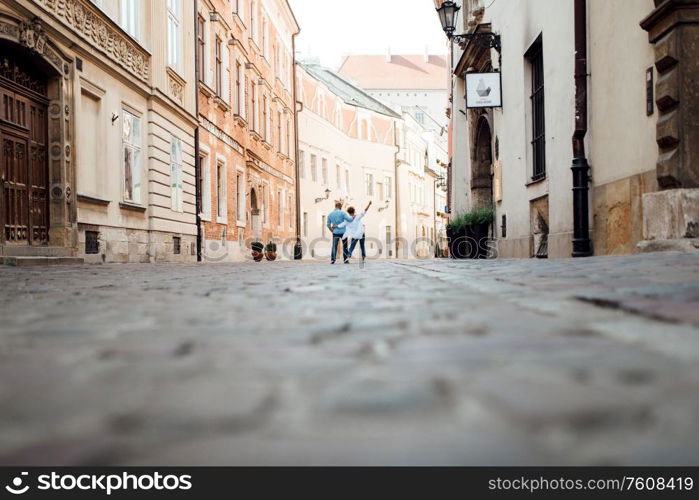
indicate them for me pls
(427, 53)
(388, 54)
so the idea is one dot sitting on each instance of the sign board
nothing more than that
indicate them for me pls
(483, 90)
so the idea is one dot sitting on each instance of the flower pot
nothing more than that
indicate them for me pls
(257, 255)
(478, 236)
(271, 255)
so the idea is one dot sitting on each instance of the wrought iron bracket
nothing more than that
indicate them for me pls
(483, 40)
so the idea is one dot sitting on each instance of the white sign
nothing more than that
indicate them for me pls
(483, 90)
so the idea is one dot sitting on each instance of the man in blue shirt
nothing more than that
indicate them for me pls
(337, 217)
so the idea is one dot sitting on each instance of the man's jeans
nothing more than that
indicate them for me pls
(361, 245)
(345, 252)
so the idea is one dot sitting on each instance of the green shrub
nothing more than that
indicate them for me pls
(481, 215)
(271, 247)
(257, 246)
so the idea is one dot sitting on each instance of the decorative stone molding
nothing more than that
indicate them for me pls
(175, 86)
(98, 30)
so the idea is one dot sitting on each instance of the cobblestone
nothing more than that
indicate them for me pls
(502, 362)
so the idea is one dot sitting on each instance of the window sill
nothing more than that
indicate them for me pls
(222, 220)
(205, 217)
(223, 105)
(267, 144)
(534, 182)
(239, 120)
(240, 224)
(93, 200)
(256, 136)
(206, 90)
(133, 207)
(174, 73)
(239, 20)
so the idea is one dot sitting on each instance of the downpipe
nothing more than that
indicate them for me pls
(582, 245)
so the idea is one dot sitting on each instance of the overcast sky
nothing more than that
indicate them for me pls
(331, 29)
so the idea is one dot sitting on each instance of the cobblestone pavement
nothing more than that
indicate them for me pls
(592, 361)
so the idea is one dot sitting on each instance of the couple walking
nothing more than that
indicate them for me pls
(349, 228)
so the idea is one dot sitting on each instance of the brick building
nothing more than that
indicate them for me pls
(246, 144)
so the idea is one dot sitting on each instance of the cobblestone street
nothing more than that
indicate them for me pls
(590, 361)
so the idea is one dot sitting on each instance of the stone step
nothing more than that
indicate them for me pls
(35, 251)
(42, 261)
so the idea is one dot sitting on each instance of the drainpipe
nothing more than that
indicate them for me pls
(197, 162)
(582, 246)
(298, 247)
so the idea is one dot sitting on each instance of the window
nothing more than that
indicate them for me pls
(131, 141)
(219, 68)
(176, 186)
(264, 118)
(265, 38)
(389, 241)
(255, 119)
(205, 185)
(369, 181)
(239, 93)
(253, 20)
(221, 205)
(314, 168)
(92, 242)
(535, 55)
(338, 177)
(302, 164)
(174, 37)
(389, 188)
(290, 209)
(347, 181)
(240, 197)
(288, 134)
(279, 131)
(280, 207)
(129, 16)
(305, 224)
(176, 245)
(201, 47)
(379, 190)
(420, 117)
(325, 172)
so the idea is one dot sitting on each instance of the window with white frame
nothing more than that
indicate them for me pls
(255, 119)
(218, 80)
(129, 17)
(302, 164)
(239, 90)
(325, 172)
(280, 208)
(290, 209)
(240, 197)
(205, 185)
(176, 183)
(131, 144)
(347, 180)
(253, 20)
(288, 134)
(369, 181)
(174, 34)
(279, 131)
(389, 188)
(314, 168)
(221, 201)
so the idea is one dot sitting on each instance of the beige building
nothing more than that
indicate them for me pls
(347, 154)
(97, 127)
(519, 157)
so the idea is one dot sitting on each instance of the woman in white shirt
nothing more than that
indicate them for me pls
(354, 231)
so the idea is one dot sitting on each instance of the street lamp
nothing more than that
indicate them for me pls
(327, 195)
(448, 14)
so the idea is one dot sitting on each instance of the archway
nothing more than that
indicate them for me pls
(36, 194)
(482, 166)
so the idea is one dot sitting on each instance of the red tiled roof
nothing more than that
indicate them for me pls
(403, 72)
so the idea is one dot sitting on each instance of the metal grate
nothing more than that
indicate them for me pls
(92, 242)
(535, 55)
(177, 245)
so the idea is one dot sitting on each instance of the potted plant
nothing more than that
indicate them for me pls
(455, 236)
(479, 221)
(271, 251)
(258, 250)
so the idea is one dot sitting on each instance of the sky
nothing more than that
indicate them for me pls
(332, 29)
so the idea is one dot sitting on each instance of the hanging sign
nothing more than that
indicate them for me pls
(483, 90)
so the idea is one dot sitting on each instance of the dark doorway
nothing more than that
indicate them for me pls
(24, 201)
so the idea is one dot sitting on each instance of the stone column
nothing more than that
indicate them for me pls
(671, 216)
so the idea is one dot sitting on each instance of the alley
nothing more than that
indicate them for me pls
(589, 361)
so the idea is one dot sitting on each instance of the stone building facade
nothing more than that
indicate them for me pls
(97, 128)
(519, 157)
(247, 146)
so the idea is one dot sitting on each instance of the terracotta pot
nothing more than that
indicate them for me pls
(257, 256)
(270, 255)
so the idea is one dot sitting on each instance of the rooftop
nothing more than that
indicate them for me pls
(396, 72)
(347, 91)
